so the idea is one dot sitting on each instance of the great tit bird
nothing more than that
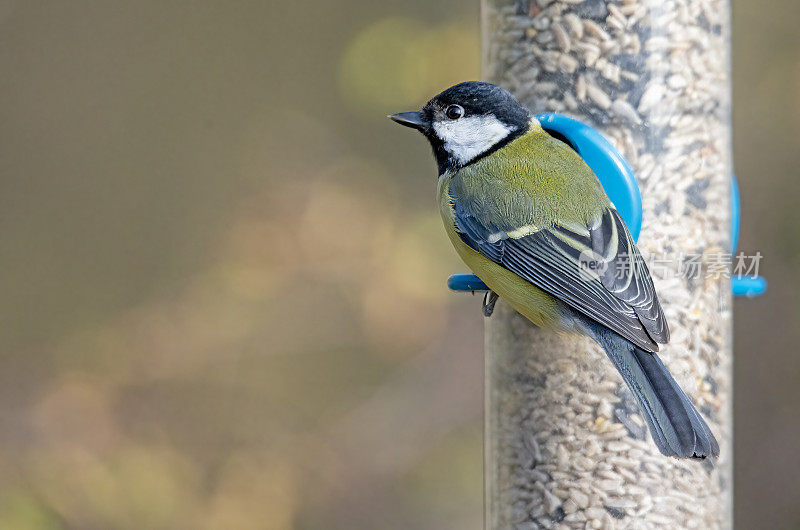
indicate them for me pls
(532, 220)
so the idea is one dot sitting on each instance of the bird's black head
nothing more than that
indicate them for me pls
(467, 122)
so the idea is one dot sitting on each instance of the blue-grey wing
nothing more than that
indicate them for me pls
(597, 270)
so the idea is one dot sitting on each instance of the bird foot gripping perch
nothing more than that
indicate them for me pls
(489, 299)
(620, 184)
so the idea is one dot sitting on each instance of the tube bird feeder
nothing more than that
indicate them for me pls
(565, 444)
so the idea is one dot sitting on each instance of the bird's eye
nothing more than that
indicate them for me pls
(454, 112)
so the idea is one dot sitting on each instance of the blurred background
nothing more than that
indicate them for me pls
(223, 300)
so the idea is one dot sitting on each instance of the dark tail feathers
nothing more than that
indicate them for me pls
(676, 426)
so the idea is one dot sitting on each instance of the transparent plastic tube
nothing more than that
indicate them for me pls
(565, 444)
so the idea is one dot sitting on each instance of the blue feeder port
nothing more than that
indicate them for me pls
(749, 286)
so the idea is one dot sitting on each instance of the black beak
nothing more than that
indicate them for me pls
(409, 119)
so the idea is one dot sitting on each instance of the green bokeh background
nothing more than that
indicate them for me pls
(223, 299)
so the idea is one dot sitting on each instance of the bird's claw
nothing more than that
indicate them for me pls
(489, 299)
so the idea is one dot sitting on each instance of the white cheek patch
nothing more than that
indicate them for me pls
(468, 137)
